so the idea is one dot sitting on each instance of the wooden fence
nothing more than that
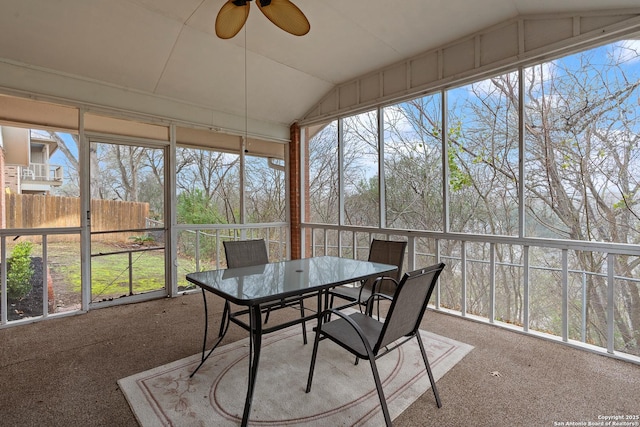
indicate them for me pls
(36, 211)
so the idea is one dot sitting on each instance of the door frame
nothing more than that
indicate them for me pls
(87, 139)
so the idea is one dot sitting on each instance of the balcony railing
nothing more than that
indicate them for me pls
(537, 291)
(42, 172)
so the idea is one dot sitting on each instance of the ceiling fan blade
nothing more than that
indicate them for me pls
(231, 18)
(285, 15)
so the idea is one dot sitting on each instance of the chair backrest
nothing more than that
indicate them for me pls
(245, 253)
(409, 304)
(387, 252)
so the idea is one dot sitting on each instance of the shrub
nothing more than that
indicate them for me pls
(19, 271)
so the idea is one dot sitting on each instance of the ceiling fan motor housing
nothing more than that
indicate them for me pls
(263, 3)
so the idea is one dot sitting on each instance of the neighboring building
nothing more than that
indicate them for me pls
(26, 168)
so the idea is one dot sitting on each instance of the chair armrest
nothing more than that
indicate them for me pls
(373, 297)
(373, 288)
(376, 284)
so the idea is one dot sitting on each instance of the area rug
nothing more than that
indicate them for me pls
(342, 394)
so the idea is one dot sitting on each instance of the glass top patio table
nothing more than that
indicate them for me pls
(259, 286)
(274, 281)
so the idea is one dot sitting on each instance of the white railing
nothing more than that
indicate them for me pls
(47, 306)
(42, 172)
(460, 293)
(199, 246)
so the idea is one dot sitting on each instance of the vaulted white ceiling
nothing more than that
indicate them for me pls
(139, 55)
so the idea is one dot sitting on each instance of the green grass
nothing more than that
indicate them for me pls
(109, 273)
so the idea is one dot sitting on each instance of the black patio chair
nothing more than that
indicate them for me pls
(370, 339)
(249, 253)
(383, 251)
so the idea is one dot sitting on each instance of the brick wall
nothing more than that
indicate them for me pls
(296, 169)
(294, 191)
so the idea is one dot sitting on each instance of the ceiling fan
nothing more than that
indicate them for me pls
(286, 15)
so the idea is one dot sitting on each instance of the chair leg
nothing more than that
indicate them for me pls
(304, 323)
(313, 359)
(426, 363)
(383, 401)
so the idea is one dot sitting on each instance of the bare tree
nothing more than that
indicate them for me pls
(582, 163)
(265, 194)
(582, 124)
(323, 175)
(216, 174)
